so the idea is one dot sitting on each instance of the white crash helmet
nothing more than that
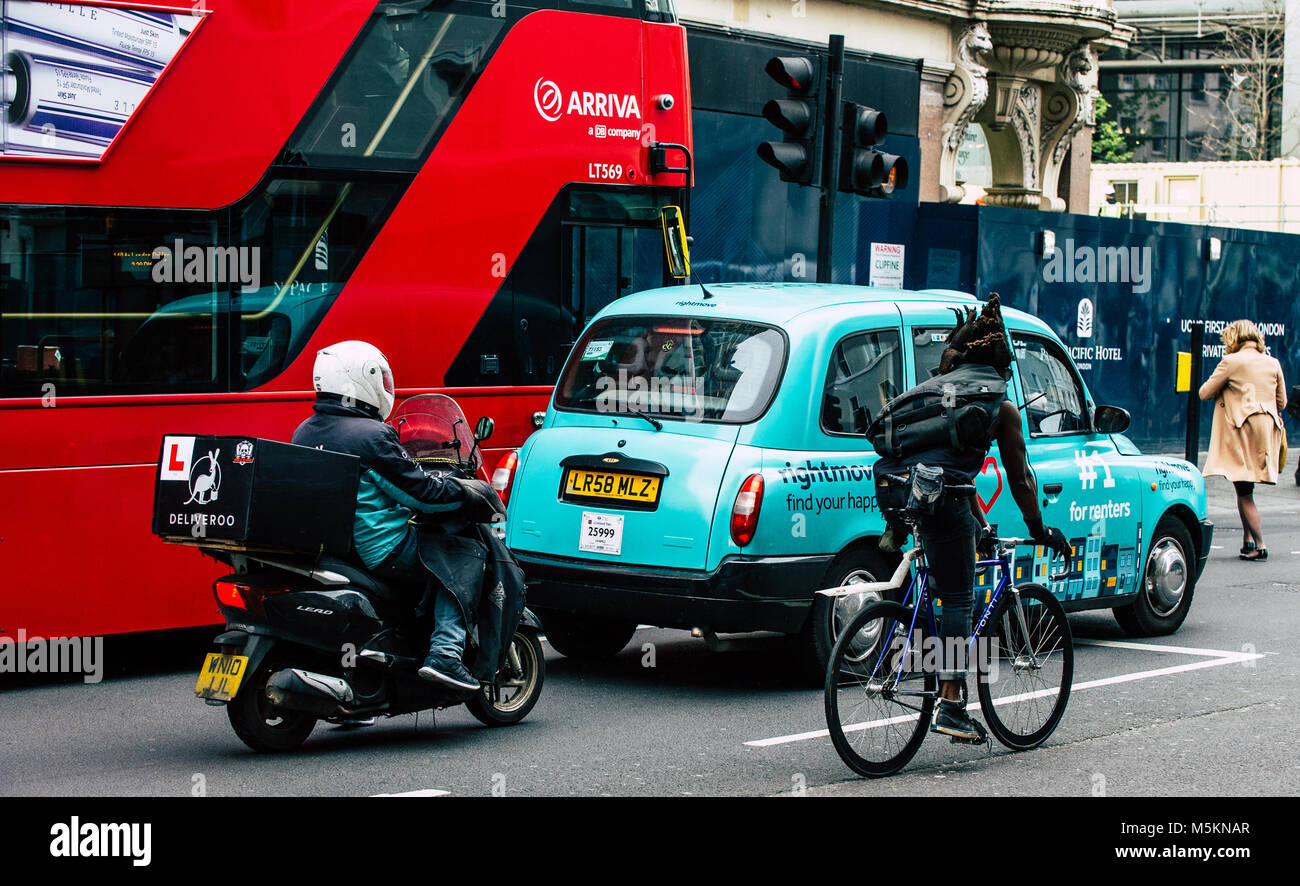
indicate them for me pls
(357, 370)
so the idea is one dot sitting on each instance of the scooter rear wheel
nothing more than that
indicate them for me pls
(518, 686)
(260, 725)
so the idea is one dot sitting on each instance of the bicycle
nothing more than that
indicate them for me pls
(886, 657)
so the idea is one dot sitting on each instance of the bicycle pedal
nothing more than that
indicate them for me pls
(956, 739)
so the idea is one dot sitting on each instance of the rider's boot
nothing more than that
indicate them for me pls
(950, 718)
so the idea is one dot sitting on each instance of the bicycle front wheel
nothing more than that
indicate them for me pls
(1025, 668)
(879, 696)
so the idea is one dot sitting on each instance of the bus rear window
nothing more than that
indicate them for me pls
(689, 369)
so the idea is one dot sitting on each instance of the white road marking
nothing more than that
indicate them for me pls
(1216, 547)
(1181, 650)
(1213, 659)
(427, 792)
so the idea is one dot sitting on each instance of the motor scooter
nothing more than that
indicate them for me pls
(312, 637)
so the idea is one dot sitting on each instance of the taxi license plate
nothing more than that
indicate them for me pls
(611, 486)
(221, 675)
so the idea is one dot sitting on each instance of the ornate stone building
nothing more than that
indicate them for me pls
(1018, 76)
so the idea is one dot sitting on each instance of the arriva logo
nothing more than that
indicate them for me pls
(549, 100)
(546, 96)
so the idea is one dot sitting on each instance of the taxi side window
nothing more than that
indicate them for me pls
(928, 343)
(1054, 401)
(866, 372)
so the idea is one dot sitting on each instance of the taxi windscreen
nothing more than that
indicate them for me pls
(692, 369)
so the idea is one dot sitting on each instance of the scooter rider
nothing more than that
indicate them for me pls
(976, 346)
(354, 396)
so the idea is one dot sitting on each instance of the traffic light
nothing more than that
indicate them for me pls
(796, 155)
(863, 169)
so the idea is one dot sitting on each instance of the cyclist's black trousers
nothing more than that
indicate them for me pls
(949, 538)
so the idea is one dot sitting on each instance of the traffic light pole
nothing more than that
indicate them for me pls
(830, 157)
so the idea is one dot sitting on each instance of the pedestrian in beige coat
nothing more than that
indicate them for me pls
(1247, 433)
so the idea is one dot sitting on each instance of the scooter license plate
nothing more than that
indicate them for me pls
(221, 675)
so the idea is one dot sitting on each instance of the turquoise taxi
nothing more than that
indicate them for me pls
(703, 465)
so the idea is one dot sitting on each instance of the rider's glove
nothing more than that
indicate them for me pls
(1054, 540)
(985, 543)
(481, 501)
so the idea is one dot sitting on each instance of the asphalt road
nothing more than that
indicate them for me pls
(1217, 717)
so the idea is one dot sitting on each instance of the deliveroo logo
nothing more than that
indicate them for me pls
(1084, 325)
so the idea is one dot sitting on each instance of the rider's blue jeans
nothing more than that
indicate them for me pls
(949, 538)
(403, 564)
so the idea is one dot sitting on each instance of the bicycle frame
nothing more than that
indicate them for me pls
(918, 596)
(918, 593)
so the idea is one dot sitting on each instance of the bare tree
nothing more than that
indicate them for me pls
(1241, 119)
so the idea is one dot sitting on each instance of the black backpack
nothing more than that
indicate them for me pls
(954, 411)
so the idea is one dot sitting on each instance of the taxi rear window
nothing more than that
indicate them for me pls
(690, 369)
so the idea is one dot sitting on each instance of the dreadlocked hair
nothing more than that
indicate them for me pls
(978, 339)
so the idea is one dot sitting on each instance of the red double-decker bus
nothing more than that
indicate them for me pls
(194, 199)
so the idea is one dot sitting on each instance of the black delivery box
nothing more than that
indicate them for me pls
(255, 493)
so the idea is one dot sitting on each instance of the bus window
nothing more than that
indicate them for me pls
(308, 235)
(606, 263)
(80, 291)
(104, 301)
(393, 96)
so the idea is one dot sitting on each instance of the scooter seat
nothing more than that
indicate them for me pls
(366, 582)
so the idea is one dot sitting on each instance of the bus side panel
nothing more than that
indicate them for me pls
(465, 219)
(76, 553)
(84, 562)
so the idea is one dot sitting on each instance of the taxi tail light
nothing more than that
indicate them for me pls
(504, 476)
(241, 595)
(744, 512)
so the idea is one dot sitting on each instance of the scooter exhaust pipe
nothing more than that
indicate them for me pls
(300, 690)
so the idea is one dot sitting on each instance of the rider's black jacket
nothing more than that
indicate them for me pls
(392, 486)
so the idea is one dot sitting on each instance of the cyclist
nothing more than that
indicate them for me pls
(977, 414)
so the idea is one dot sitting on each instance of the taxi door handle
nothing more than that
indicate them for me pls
(1053, 488)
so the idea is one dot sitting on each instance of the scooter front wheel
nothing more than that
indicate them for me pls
(261, 725)
(518, 686)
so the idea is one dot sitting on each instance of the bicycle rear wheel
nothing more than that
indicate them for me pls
(1026, 671)
(879, 696)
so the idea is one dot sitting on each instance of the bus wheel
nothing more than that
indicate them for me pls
(830, 615)
(1168, 582)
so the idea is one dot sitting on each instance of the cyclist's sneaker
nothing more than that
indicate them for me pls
(950, 718)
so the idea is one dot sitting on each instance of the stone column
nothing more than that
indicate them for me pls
(965, 92)
(930, 123)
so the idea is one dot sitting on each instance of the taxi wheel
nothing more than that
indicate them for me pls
(829, 615)
(1168, 580)
(585, 636)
